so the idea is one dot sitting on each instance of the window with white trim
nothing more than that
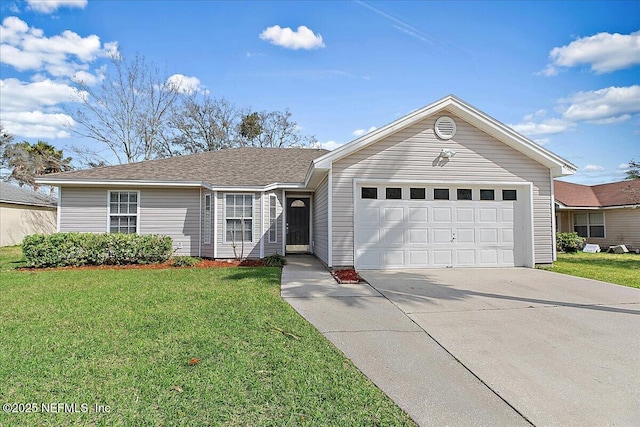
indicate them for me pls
(238, 218)
(123, 212)
(589, 224)
(273, 219)
(207, 219)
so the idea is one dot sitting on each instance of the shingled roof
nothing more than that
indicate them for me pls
(21, 196)
(227, 167)
(621, 193)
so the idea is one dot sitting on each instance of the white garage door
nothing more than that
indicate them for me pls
(418, 227)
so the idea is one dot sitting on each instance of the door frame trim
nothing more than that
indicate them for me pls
(301, 195)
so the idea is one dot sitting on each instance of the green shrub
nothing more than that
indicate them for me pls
(569, 242)
(275, 260)
(76, 249)
(185, 261)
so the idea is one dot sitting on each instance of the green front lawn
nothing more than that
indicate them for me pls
(124, 339)
(623, 269)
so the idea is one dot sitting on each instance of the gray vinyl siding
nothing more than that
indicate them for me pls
(83, 209)
(174, 213)
(272, 248)
(251, 249)
(207, 248)
(621, 227)
(413, 154)
(320, 222)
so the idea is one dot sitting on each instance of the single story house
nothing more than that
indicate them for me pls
(605, 214)
(24, 212)
(444, 186)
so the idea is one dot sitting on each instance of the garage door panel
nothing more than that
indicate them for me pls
(442, 257)
(418, 235)
(488, 256)
(368, 258)
(488, 236)
(393, 236)
(466, 235)
(369, 235)
(441, 214)
(370, 215)
(394, 258)
(488, 214)
(466, 257)
(507, 235)
(419, 258)
(442, 235)
(507, 215)
(393, 215)
(418, 215)
(465, 215)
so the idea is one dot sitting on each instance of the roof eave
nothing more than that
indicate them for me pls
(88, 182)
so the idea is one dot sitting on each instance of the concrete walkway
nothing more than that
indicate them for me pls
(392, 350)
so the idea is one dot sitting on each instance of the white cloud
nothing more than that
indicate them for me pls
(302, 38)
(544, 127)
(624, 166)
(36, 124)
(330, 145)
(604, 106)
(20, 96)
(360, 132)
(604, 52)
(28, 49)
(48, 6)
(184, 84)
(593, 168)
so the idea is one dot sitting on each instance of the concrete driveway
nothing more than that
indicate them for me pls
(559, 350)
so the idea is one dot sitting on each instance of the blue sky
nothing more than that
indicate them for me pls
(565, 74)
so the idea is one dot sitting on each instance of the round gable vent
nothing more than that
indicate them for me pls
(445, 127)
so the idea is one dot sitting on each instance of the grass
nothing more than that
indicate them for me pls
(124, 339)
(622, 269)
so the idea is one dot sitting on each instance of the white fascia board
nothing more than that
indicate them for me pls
(121, 183)
(256, 188)
(598, 208)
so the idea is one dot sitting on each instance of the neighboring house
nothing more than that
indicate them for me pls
(445, 186)
(605, 214)
(24, 212)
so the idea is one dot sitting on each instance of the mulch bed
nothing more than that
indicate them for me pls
(205, 263)
(347, 276)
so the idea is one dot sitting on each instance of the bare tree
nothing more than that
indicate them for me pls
(29, 161)
(129, 111)
(275, 130)
(208, 125)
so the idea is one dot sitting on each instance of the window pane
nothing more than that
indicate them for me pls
(124, 208)
(464, 194)
(369, 193)
(580, 219)
(113, 207)
(417, 193)
(509, 195)
(113, 226)
(487, 195)
(441, 194)
(596, 231)
(133, 208)
(114, 197)
(394, 193)
(124, 197)
(581, 230)
(596, 218)
(133, 197)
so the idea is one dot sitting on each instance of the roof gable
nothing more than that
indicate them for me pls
(622, 193)
(464, 111)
